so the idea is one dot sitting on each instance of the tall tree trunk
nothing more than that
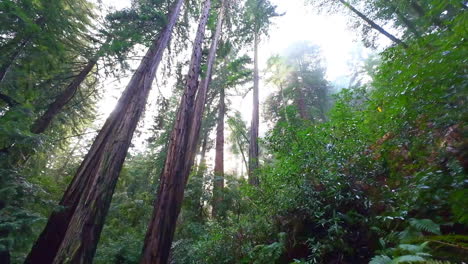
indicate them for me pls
(41, 124)
(22, 42)
(218, 184)
(181, 151)
(373, 24)
(201, 172)
(44, 121)
(72, 233)
(10, 60)
(202, 162)
(299, 98)
(253, 147)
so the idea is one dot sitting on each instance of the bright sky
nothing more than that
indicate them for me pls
(299, 23)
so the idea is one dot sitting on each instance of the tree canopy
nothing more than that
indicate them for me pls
(225, 146)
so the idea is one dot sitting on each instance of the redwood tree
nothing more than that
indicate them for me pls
(218, 184)
(258, 14)
(182, 149)
(253, 147)
(43, 122)
(72, 233)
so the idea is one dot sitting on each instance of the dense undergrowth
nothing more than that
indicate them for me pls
(381, 178)
(384, 180)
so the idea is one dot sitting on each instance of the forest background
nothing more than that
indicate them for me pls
(304, 132)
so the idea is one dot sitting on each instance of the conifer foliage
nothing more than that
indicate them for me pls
(374, 171)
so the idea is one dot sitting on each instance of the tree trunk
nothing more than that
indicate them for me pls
(72, 233)
(11, 59)
(44, 121)
(201, 172)
(181, 151)
(374, 25)
(218, 184)
(253, 147)
(22, 43)
(299, 98)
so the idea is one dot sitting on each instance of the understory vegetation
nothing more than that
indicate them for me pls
(374, 172)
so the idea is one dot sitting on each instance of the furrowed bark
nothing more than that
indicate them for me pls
(253, 147)
(72, 233)
(218, 184)
(181, 154)
(374, 25)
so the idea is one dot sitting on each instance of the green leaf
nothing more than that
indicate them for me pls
(408, 259)
(426, 225)
(380, 260)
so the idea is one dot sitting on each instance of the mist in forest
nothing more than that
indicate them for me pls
(233, 131)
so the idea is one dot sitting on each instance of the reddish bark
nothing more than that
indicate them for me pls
(253, 147)
(218, 184)
(181, 152)
(72, 233)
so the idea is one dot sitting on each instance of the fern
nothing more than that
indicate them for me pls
(380, 260)
(413, 249)
(455, 241)
(426, 225)
(409, 259)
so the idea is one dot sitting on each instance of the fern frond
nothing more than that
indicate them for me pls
(409, 259)
(380, 260)
(426, 225)
(437, 262)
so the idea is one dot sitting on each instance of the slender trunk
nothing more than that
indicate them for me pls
(300, 98)
(200, 174)
(218, 184)
(44, 121)
(283, 102)
(72, 233)
(239, 145)
(202, 163)
(253, 147)
(10, 60)
(374, 25)
(181, 152)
